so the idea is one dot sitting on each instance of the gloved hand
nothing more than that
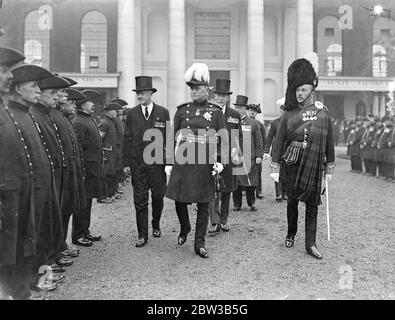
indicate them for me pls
(266, 156)
(217, 168)
(168, 170)
(258, 160)
(275, 177)
(329, 177)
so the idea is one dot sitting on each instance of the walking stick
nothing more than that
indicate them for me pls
(327, 208)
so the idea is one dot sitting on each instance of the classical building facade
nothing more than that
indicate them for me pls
(104, 44)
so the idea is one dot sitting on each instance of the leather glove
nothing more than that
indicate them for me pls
(217, 168)
(266, 156)
(168, 170)
(275, 177)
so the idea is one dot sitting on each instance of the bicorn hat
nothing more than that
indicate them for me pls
(29, 72)
(112, 106)
(10, 57)
(144, 83)
(300, 72)
(55, 82)
(222, 86)
(74, 95)
(197, 75)
(241, 101)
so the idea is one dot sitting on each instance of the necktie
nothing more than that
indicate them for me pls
(146, 112)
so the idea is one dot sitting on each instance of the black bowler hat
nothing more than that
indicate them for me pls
(144, 83)
(121, 102)
(29, 72)
(90, 95)
(241, 101)
(74, 95)
(112, 106)
(10, 57)
(54, 82)
(222, 86)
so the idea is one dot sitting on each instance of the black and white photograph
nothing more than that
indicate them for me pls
(197, 155)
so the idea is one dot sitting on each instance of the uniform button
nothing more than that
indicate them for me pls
(30, 164)
(187, 119)
(208, 127)
(187, 111)
(188, 127)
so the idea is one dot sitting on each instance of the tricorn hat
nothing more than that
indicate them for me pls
(112, 106)
(222, 86)
(90, 95)
(241, 101)
(197, 75)
(255, 107)
(121, 102)
(71, 81)
(74, 94)
(29, 72)
(10, 57)
(300, 72)
(55, 82)
(144, 83)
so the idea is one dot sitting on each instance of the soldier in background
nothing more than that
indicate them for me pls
(385, 149)
(377, 166)
(367, 149)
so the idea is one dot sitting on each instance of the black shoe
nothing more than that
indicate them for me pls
(279, 198)
(93, 238)
(141, 242)
(69, 253)
(57, 269)
(225, 228)
(63, 262)
(289, 241)
(182, 239)
(236, 209)
(259, 195)
(202, 252)
(83, 242)
(215, 228)
(314, 252)
(285, 197)
(253, 208)
(156, 233)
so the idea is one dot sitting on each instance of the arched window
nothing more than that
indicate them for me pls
(94, 43)
(37, 40)
(380, 61)
(329, 46)
(334, 59)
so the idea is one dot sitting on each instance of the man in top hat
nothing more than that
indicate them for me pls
(42, 114)
(146, 174)
(252, 149)
(197, 127)
(252, 111)
(305, 142)
(47, 225)
(92, 153)
(18, 236)
(110, 141)
(279, 187)
(227, 180)
(354, 149)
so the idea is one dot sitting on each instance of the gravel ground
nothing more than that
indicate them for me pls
(251, 261)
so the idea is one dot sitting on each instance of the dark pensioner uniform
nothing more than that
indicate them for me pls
(263, 133)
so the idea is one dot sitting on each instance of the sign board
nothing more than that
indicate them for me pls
(354, 84)
(107, 80)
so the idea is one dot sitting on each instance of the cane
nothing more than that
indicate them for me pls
(327, 208)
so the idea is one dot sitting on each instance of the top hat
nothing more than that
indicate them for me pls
(112, 106)
(121, 102)
(10, 57)
(54, 82)
(241, 101)
(144, 83)
(29, 72)
(90, 95)
(74, 95)
(222, 86)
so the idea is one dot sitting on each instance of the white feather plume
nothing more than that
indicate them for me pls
(312, 57)
(198, 71)
(281, 101)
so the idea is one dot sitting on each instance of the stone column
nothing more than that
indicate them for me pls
(176, 62)
(255, 52)
(304, 27)
(375, 110)
(289, 39)
(126, 50)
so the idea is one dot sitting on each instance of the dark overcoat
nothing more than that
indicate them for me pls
(120, 130)
(92, 153)
(110, 147)
(272, 135)
(375, 145)
(366, 144)
(192, 181)
(252, 132)
(384, 146)
(355, 149)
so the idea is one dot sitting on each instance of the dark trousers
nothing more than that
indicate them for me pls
(238, 196)
(367, 164)
(219, 213)
(201, 222)
(388, 169)
(280, 188)
(82, 222)
(259, 187)
(356, 163)
(15, 280)
(111, 185)
(146, 178)
(373, 168)
(381, 168)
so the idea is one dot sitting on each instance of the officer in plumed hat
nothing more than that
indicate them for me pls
(146, 174)
(305, 141)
